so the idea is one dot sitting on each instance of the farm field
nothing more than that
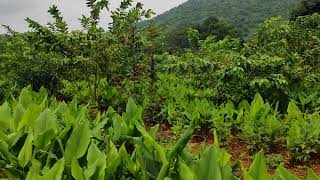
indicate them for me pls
(119, 103)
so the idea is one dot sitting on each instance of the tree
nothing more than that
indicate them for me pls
(153, 46)
(176, 40)
(305, 7)
(3, 39)
(193, 37)
(212, 26)
(51, 53)
(128, 46)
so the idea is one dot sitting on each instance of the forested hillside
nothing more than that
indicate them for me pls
(245, 15)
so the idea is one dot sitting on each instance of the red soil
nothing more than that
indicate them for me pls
(241, 151)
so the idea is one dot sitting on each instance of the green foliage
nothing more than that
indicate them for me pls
(84, 149)
(106, 94)
(282, 173)
(214, 27)
(50, 54)
(258, 168)
(304, 134)
(189, 35)
(279, 64)
(305, 7)
(78, 142)
(261, 126)
(213, 164)
(243, 15)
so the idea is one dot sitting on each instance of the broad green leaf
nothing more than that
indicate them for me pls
(77, 171)
(131, 109)
(43, 140)
(185, 172)
(82, 114)
(120, 127)
(46, 120)
(258, 168)
(31, 114)
(183, 141)
(283, 174)
(64, 133)
(45, 128)
(99, 128)
(294, 112)
(17, 115)
(69, 119)
(113, 159)
(211, 166)
(5, 153)
(229, 109)
(97, 119)
(96, 163)
(78, 142)
(203, 107)
(312, 175)
(256, 105)
(56, 172)
(154, 131)
(224, 157)
(5, 116)
(3, 135)
(244, 105)
(110, 112)
(26, 151)
(160, 150)
(34, 172)
(13, 138)
(133, 113)
(128, 161)
(25, 98)
(163, 171)
(187, 157)
(148, 158)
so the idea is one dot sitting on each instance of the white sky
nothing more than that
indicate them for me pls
(13, 12)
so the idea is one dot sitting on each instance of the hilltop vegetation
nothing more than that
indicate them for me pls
(305, 7)
(245, 15)
(86, 104)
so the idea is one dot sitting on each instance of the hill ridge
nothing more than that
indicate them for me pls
(245, 15)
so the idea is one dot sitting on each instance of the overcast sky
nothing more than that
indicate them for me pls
(13, 12)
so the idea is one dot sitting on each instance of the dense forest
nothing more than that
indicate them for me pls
(117, 103)
(243, 15)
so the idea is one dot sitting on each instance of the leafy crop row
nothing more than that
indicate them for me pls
(258, 123)
(42, 138)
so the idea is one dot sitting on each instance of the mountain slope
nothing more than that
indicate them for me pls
(245, 15)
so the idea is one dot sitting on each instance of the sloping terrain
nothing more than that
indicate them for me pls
(245, 15)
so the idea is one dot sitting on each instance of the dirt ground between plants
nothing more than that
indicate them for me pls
(241, 152)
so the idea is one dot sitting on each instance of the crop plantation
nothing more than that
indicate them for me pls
(120, 103)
